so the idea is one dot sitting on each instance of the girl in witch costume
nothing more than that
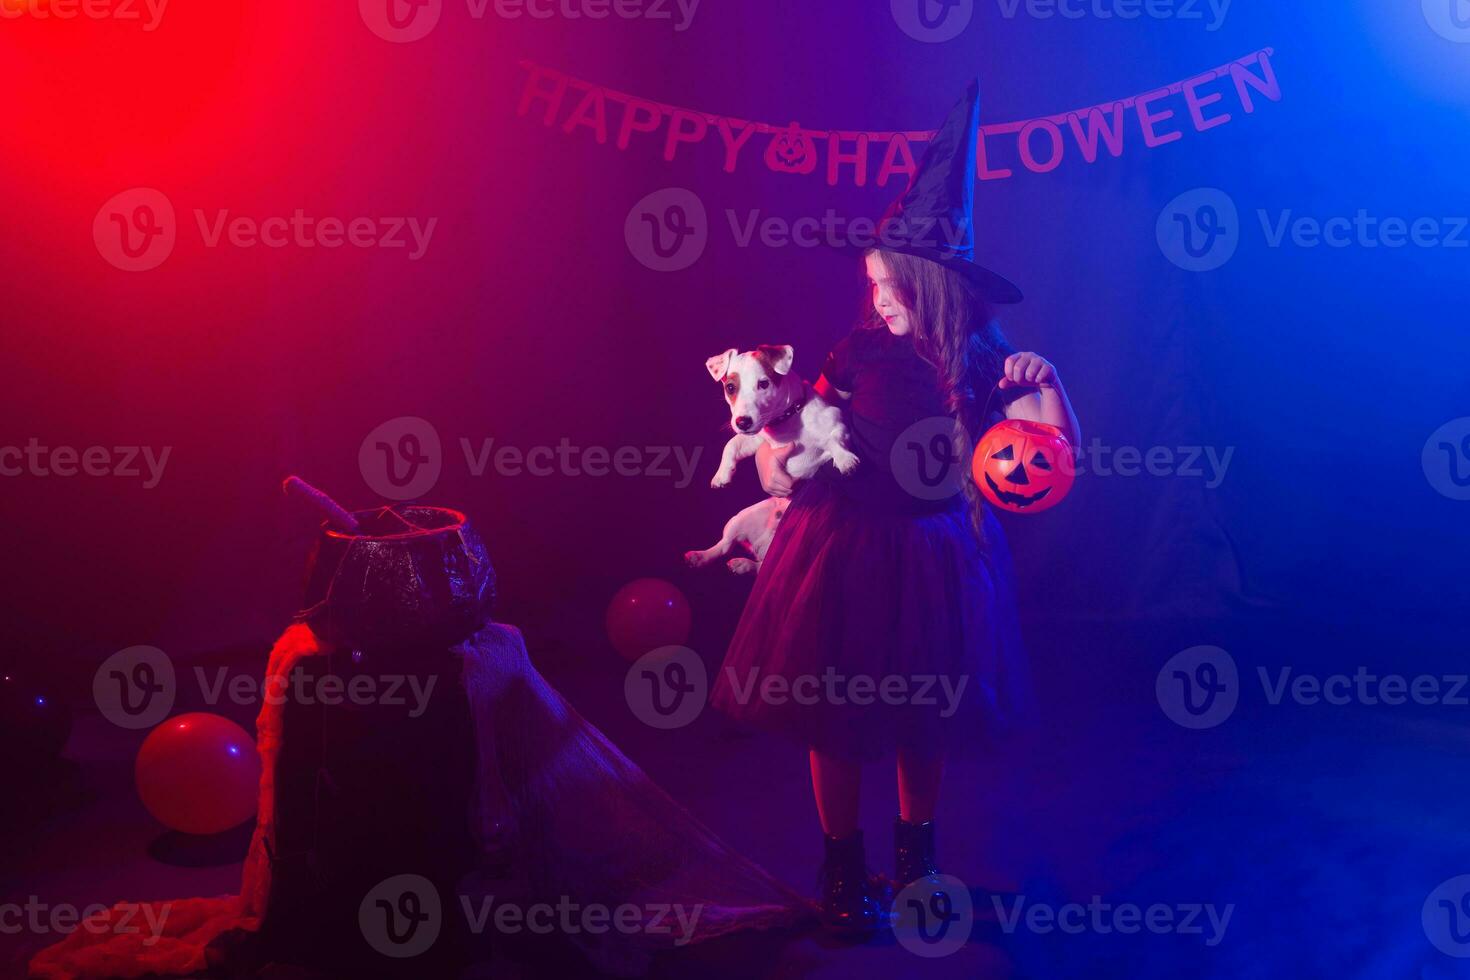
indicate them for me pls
(890, 575)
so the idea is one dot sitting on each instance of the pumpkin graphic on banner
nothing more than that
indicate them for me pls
(791, 151)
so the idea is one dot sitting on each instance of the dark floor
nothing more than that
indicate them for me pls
(1321, 829)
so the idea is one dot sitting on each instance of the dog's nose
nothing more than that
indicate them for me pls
(743, 423)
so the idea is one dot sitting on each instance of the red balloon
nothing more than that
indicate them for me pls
(646, 614)
(1023, 466)
(198, 773)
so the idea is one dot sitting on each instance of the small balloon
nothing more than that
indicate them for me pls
(646, 614)
(198, 773)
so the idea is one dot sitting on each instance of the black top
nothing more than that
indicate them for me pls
(898, 423)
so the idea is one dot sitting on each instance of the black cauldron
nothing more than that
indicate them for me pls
(410, 576)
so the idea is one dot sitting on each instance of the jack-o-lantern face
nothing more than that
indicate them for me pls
(791, 151)
(1023, 466)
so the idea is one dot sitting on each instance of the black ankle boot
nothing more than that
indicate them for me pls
(913, 851)
(849, 906)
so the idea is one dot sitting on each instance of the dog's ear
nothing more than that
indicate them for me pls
(780, 357)
(719, 365)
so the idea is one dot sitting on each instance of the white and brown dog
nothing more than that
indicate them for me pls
(769, 404)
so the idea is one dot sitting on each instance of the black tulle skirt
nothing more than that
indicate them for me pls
(872, 626)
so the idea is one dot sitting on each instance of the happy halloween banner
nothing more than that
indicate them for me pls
(1039, 145)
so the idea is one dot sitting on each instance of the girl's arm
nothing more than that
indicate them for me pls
(1050, 404)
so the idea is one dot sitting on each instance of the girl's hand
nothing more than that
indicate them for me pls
(1050, 404)
(1029, 369)
(770, 463)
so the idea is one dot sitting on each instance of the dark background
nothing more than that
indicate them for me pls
(1327, 548)
(528, 320)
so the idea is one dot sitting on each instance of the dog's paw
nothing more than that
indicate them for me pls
(742, 566)
(845, 462)
(720, 480)
(694, 559)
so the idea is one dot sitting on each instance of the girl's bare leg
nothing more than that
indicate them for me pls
(919, 776)
(835, 785)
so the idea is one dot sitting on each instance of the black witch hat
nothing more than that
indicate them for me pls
(935, 218)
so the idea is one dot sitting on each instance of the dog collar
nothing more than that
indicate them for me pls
(795, 407)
